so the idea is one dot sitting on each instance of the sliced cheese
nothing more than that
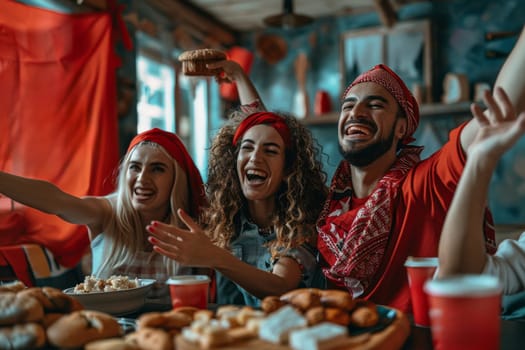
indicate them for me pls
(276, 327)
(319, 337)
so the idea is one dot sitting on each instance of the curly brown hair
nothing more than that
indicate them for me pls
(298, 201)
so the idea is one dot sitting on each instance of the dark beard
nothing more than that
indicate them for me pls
(367, 155)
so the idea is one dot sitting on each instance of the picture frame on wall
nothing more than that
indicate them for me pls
(405, 47)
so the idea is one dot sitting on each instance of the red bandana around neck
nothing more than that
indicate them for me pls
(358, 248)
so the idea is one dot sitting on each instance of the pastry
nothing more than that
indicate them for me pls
(78, 328)
(194, 62)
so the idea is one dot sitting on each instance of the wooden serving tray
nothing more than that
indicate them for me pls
(391, 338)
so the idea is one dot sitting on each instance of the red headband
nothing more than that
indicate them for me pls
(267, 118)
(174, 146)
(384, 76)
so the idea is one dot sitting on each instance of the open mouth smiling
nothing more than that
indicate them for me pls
(253, 175)
(143, 193)
(359, 129)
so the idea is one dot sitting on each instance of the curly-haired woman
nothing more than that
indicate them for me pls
(265, 189)
(265, 186)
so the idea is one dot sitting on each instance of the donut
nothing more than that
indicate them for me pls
(194, 62)
(78, 328)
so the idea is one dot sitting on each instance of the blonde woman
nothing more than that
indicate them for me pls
(157, 177)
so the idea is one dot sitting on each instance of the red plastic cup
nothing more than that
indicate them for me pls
(419, 270)
(465, 312)
(190, 290)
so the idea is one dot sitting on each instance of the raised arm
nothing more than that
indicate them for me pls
(510, 78)
(47, 197)
(233, 72)
(462, 245)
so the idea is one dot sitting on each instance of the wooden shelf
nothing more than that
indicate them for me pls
(427, 111)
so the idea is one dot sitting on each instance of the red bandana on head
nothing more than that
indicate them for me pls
(174, 146)
(384, 76)
(266, 118)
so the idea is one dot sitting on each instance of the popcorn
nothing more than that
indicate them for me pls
(93, 284)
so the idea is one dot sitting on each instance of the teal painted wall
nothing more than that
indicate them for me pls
(459, 45)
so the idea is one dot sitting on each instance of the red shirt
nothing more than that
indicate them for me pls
(419, 212)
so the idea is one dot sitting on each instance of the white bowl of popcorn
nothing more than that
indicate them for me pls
(117, 295)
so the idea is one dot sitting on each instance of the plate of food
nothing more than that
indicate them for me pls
(117, 295)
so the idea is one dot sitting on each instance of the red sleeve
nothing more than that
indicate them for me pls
(434, 180)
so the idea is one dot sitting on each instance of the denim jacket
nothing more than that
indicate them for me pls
(249, 246)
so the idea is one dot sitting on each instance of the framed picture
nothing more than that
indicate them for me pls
(405, 47)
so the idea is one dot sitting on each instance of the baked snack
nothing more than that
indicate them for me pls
(22, 336)
(13, 286)
(365, 314)
(52, 299)
(194, 62)
(337, 298)
(170, 321)
(16, 308)
(111, 344)
(78, 328)
(303, 298)
(150, 338)
(271, 303)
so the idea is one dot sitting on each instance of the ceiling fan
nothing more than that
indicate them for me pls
(288, 19)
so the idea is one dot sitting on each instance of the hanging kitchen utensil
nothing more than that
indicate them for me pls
(288, 19)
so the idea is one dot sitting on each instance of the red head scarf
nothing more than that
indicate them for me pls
(384, 76)
(266, 118)
(174, 146)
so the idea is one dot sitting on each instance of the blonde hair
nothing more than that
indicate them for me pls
(125, 235)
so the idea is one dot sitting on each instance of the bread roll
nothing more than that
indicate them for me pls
(151, 339)
(22, 336)
(81, 327)
(16, 308)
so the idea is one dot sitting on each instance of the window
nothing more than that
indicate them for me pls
(406, 48)
(156, 103)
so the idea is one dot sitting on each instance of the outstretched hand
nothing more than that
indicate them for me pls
(188, 247)
(500, 126)
(231, 71)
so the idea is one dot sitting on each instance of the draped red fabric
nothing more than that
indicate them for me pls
(58, 119)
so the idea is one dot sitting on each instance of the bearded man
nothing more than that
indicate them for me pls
(385, 203)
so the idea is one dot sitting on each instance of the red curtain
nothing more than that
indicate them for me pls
(58, 119)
